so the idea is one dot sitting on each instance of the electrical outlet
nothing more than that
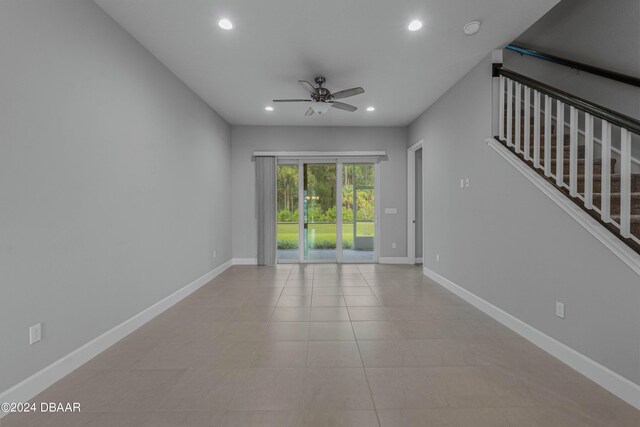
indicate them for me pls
(394, 245)
(560, 309)
(35, 333)
(437, 257)
(214, 254)
(466, 183)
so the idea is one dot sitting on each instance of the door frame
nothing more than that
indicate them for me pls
(338, 161)
(411, 200)
(311, 161)
(376, 209)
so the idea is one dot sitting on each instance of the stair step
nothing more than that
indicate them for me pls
(615, 203)
(635, 223)
(532, 129)
(597, 165)
(615, 183)
(567, 150)
(554, 137)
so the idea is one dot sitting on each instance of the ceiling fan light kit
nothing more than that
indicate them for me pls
(320, 107)
(322, 99)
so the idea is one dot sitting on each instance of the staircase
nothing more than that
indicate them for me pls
(600, 173)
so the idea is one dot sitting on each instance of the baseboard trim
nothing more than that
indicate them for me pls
(605, 377)
(393, 260)
(28, 388)
(244, 261)
(621, 250)
(419, 260)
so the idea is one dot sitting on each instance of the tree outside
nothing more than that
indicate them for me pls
(321, 212)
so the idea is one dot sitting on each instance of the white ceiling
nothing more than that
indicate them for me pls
(365, 43)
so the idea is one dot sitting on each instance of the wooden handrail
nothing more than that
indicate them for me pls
(602, 72)
(594, 109)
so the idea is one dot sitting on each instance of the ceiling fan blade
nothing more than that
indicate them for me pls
(307, 86)
(343, 106)
(309, 112)
(348, 92)
(291, 100)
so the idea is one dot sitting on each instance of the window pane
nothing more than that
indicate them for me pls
(364, 175)
(358, 212)
(287, 205)
(320, 211)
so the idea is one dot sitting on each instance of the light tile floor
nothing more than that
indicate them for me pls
(327, 345)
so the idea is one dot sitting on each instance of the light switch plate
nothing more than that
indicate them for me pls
(35, 333)
(560, 309)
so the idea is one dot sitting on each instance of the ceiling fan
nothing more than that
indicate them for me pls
(322, 100)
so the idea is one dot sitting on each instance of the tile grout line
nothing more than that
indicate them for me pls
(255, 351)
(306, 362)
(366, 377)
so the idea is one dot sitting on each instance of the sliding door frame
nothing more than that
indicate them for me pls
(339, 162)
(316, 161)
(376, 209)
(339, 257)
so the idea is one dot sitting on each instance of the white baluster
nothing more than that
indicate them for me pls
(536, 128)
(560, 144)
(588, 161)
(625, 183)
(573, 152)
(605, 191)
(518, 115)
(547, 135)
(501, 109)
(509, 112)
(527, 123)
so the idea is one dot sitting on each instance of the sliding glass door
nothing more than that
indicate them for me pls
(319, 216)
(326, 211)
(288, 230)
(358, 211)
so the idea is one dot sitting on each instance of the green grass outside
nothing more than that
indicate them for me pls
(324, 234)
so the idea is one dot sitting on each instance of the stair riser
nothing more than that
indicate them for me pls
(635, 226)
(554, 139)
(567, 151)
(615, 204)
(532, 130)
(597, 167)
(615, 184)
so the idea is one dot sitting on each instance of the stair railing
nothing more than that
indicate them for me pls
(529, 113)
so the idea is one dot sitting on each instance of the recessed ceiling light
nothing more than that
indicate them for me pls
(268, 108)
(470, 28)
(371, 108)
(225, 24)
(414, 25)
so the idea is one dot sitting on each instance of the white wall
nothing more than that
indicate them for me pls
(247, 139)
(596, 32)
(505, 241)
(114, 180)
